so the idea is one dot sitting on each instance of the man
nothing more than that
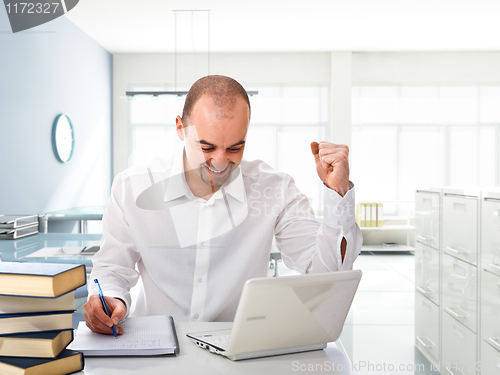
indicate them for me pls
(192, 234)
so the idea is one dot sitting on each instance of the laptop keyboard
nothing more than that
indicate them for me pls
(219, 341)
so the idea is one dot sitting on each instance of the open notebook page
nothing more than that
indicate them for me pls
(148, 335)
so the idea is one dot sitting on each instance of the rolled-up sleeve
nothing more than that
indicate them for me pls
(115, 262)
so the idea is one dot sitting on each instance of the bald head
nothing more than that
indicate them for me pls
(223, 91)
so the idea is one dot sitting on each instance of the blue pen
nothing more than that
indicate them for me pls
(104, 305)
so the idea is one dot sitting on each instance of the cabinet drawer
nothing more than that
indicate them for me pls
(490, 360)
(427, 223)
(490, 307)
(427, 328)
(427, 271)
(459, 290)
(490, 235)
(459, 348)
(460, 227)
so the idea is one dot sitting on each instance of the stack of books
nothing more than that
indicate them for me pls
(37, 301)
(17, 226)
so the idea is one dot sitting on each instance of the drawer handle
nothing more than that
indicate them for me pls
(425, 291)
(424, 344)
(455, 276)
(455, 250)
(456, 315)
(496, 266)
(422, 238)
(451, 372)
(494, 342)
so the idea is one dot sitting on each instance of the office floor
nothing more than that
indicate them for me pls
(379, 330)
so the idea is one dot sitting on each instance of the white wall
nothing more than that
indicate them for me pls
(422, 67)
(55, 68)
(340, 97)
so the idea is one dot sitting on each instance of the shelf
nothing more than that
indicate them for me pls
(386, 248)
(390, 227)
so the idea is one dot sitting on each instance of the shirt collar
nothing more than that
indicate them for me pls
(237, 187)
(178, 187)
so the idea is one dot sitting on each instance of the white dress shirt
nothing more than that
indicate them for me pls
(191, 257)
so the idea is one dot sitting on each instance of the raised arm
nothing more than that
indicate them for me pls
(306, 245)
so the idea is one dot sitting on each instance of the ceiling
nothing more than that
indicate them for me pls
(292, 25)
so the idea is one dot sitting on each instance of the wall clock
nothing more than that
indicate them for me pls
(63, 138)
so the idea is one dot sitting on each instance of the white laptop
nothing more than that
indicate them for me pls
(287, 314)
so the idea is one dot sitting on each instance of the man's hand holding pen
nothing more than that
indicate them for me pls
(96, 318)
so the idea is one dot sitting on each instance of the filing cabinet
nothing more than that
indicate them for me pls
(490, 360)
(490, 283)
(468, 295)
(460, 223)
(459, 348)
(459, 291)
(490, 308)
(427, 271)
(490, 232)
(427, 328)
(427, 218)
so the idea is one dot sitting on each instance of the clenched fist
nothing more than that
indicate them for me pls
(332, 165)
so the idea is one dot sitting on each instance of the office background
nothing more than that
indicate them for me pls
(414, 113)
(379, 103)
(53, 69)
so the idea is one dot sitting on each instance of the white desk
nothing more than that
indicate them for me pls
(194, 360)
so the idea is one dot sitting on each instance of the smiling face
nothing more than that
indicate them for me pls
(214, 142)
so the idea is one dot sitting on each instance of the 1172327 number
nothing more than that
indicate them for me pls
(31, 7)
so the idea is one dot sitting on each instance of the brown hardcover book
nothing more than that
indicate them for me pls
(14, 305)
(67, 362)
(35, 322)
(46, 344)
(40, 279)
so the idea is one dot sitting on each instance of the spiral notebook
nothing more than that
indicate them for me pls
(142, 336)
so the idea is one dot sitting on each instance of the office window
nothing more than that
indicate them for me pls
(409, 136)
(285, 119)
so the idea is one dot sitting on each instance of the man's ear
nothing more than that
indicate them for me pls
(180, 128)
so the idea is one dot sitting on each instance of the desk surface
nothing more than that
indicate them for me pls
(77, 213)
(16, 250)
(194, 360)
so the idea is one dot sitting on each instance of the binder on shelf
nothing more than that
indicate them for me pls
(369, 214)
(380, 214)
(363, 215)
(15, 233)
(17, 221)
(373, 215)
